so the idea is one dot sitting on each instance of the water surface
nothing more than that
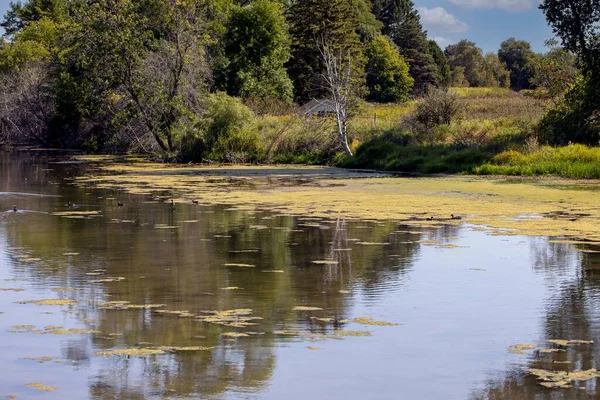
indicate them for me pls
(460, 295)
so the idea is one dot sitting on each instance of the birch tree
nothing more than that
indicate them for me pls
(339, 83)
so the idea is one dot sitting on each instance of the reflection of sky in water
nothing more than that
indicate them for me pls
(460, 308)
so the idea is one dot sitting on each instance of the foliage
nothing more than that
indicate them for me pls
(442, 63)
(438, 107)
(577, 118)
(20, 15)
(256, 47)
(574, 161)
(388, 79)
(554, 72)
(572, 120)
(518, 58)
(321, 21)
(401, 22)
(227, 130)
(467, 55)
(494, 72)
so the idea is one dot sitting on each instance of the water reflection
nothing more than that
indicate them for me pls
(461, 295)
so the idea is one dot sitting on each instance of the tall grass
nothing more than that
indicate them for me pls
(573, 161)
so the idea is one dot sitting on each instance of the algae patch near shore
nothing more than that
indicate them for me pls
(529, 207)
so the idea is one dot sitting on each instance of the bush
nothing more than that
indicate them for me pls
(575, 120)
(438, 107)
(228, 130)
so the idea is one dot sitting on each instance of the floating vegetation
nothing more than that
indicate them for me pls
(273, 271)
(326, 320)
(371, 321)
(49, 302)
(343, 333)
(76, 213)
(518, 348)
(373, 243)
(11, 289)
(231, 288)
(174, 349)
(238, 318)
(258, 227)
(304, 308)
(124, 305)
(312, 348)
(163, 226)
(325, 262)
(562, 379)
(235, 334)
(551, 350)
(41, 360)
(41, 387)
(492, 202)
(108, 279)
(239, 265)
(137, 352)
(286, 333)
(180, 313)
(72, 331)
(566, 343)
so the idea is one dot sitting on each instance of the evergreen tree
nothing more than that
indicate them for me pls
(402, 23)
(442, 63)
(313, 22)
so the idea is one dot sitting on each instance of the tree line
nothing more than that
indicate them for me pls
(177, 77)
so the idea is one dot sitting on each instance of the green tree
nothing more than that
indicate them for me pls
(442, 63)
(554, 71)
(401, 22)
(467, 55)
(577, 118)
(256, 47)
(20, 15)
(494, 72)
(518, 57)
(388, 79)
(312, 23)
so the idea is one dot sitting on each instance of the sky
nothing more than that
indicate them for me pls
(485, 22)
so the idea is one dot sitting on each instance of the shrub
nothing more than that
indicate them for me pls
(228, 130)
(438, 107)
(574, 120)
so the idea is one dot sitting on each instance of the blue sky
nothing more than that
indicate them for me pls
(485, 22)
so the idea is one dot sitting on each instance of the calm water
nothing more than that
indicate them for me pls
(461, 295)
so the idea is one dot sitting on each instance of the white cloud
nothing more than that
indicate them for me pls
(438, 20)
(444, 42)
(506, 5)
